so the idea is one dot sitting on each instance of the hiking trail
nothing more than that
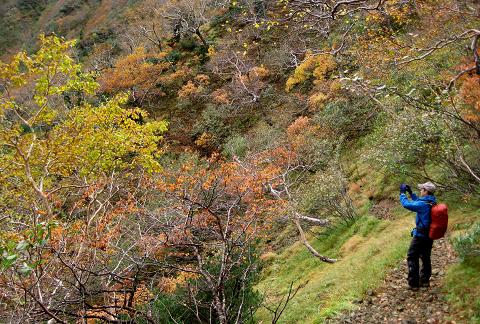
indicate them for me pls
(393, 303)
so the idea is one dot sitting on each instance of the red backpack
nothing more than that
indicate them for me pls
(439, 223)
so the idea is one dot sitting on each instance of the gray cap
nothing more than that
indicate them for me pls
(430, 187)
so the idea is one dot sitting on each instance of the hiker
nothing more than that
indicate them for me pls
(421, 245)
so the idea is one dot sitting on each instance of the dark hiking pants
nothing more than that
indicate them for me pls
(420, 248)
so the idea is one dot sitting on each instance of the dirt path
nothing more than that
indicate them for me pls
(393, 303)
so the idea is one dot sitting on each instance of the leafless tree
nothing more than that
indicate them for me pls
(280, 307)
(188, 17)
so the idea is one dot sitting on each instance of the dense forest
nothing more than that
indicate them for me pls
(235, 161)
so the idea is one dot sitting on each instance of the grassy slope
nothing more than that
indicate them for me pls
(367, 250)
(463, 279)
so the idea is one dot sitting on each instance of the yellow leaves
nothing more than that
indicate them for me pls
(259, 72)
(5, 105)
(335, 86)
(93, 140)
(11, 72)
(211, 51)
(317, 100)
(323, 65)
(317, 67)
(46, 75)
(170, 284)
(205, 140)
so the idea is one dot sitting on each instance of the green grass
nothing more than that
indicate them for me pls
(366, 250)
(463, 289)
(462, 282)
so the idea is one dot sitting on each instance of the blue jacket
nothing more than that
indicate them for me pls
(422, 207)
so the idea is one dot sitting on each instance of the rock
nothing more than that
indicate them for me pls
(370, 292)
(409, 321)
(435, 291)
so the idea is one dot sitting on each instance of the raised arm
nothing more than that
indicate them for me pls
(413, 205)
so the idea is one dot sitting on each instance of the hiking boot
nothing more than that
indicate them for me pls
(413, 288)
(424, 284)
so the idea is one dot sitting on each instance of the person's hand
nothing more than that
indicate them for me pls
(409, 190)
(403, 188)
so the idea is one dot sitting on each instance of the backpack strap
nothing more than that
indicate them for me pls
(431, 204)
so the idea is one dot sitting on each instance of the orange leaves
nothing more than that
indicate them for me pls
(470, 93)
(142, 296)
(132, 70)
(202, 79)
(188, 90)
(170, 284)
(259, 72)
(297, 127)
(214, 199)
(147, 74)
(193, 88)
(300, 133)
(221, 96)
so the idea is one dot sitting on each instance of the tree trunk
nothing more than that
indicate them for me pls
(197, 31)
(220, 308)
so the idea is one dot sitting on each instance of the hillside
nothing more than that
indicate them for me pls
(177, 161)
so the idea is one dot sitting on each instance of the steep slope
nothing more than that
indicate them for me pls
(248, 82)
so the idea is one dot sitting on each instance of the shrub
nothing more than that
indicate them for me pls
(316, 67)
(68, 8)
(236, 145)
(468, 244)
(351, 118)
(212, 122)
(325, 194)
(264, 136)
(33, 6)
(407, 141)
(181, 305)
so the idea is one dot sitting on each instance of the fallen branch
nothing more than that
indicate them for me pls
(310, 248)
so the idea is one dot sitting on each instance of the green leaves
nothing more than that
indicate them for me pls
(50, 142)
(15, 252)
(50, 73)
